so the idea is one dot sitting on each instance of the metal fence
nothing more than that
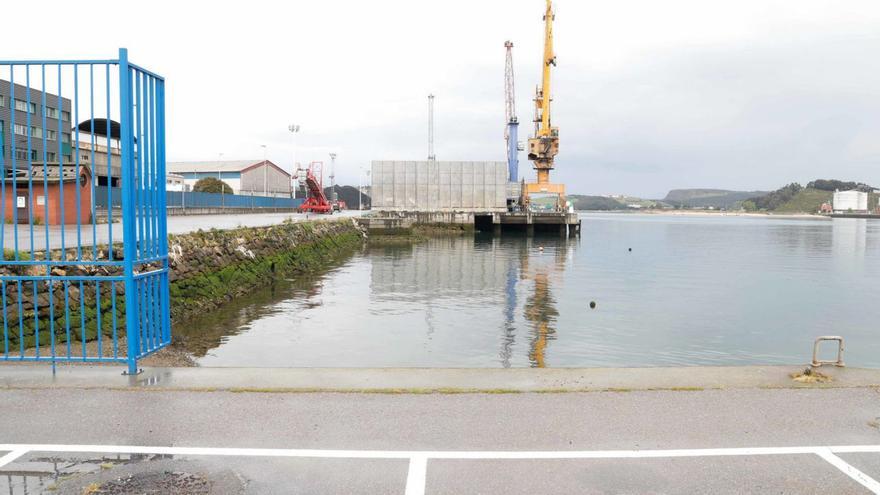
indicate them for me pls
(179, 199)
(73, 289)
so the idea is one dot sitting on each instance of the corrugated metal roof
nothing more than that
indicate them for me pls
(49, 173)
(211, 166)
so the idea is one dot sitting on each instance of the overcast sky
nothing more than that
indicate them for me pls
(648, 95)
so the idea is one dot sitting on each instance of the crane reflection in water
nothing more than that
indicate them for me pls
(541, 262)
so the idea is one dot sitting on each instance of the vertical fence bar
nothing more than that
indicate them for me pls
(3, 177)
(128, 233)
(75, 150)
(109, 168)
(93, 143)
(14, 156)
(163, 217)
(45, 155)
(67, 315)
(30, 170)
(5, 324)
(59, 139)
(49, 287)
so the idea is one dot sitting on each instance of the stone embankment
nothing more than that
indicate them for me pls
(210, 268)
(207, 268)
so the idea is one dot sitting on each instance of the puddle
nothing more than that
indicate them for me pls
(114, 474)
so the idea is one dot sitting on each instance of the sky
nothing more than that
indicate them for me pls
(648, 95)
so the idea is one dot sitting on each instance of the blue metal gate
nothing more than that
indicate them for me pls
(71, 291)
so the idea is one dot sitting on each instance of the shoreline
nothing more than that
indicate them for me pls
(437, 380)
(709, 213)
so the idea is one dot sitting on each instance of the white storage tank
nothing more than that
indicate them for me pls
(855, 201)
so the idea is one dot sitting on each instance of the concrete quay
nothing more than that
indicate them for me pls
(661, 430)
(389, 221)
(431, 380)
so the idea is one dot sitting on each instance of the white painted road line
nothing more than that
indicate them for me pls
(849, 470)
(416, 476)
(450, 454)
(15, 454)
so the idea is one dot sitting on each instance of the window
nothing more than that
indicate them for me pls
(51, 113)
(51, 135)
(2, 101)
(36, 132)
(65, 137)
(22, 154)
(68, 158)
(65, 115)
(51, 156)
(24, 106)
(21, 130)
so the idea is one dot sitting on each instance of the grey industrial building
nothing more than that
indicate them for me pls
(29, 136)
(434, 186)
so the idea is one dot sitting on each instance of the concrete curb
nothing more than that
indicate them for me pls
(421, 380)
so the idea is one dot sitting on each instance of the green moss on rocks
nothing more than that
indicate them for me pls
(206, 270)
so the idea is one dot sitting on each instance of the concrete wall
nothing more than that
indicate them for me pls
(439, 186)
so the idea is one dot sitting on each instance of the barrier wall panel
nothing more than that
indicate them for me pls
(430, 186)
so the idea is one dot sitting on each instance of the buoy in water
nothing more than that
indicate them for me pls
(540, 248)
(630, 249)
(592, 304)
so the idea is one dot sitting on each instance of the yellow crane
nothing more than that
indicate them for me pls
(544, 146)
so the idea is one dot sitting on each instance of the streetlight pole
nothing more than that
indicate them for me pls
(333, 198)
(294, 129)
(222, 189)
(265, 173)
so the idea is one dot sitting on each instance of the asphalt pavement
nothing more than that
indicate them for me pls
(747, 440)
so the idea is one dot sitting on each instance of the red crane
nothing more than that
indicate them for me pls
(315, 201)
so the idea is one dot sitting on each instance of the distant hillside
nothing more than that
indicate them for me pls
(606, 203)
(835, 185)
(807, 200)
(582, 202)
(794, 198)
(704, 198)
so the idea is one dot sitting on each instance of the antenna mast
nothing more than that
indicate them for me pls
(431, 156)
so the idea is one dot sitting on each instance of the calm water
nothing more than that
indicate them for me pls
(693, 291)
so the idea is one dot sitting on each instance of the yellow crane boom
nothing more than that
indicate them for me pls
(544, 146)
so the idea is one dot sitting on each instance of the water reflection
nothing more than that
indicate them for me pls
(849, 237)
(692, 291)
(541, 264)
(214, 328)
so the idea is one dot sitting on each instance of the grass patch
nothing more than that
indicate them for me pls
(806, 201)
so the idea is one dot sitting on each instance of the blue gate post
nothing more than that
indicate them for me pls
(132, 330)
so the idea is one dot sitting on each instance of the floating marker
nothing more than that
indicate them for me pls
(592, 304)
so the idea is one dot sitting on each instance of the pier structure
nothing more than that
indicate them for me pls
(466, 193)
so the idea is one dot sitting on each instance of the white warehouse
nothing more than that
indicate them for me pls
(247, 177)
(850, 201)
